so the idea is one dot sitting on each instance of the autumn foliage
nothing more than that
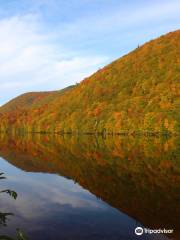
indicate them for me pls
(138, 93)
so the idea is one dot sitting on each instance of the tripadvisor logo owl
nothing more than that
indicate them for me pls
(139, 231)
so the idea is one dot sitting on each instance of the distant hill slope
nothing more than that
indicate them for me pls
(24, 101)
(138, 93)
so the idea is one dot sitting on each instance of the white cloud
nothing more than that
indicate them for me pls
(122, 19)
(32, 60)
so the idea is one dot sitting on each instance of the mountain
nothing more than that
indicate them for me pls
(138, 93)
(24, 101)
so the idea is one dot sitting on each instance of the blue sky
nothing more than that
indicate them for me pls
(48, 45)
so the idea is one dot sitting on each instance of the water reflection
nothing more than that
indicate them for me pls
(4, 216)
(136, 176)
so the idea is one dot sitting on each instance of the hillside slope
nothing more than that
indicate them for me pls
(138, 93)
(24, 101)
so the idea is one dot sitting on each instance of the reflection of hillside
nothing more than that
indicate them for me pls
(135, 175)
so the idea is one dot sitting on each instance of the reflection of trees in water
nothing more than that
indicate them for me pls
(4, 216)
(138, 176)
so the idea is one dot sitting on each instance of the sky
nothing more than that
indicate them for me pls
(50, 44)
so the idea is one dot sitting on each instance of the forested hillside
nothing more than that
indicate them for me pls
(138, 93)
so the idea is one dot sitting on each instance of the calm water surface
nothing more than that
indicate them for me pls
(89, 188)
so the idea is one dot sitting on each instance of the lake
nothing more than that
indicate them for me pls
(90, 188)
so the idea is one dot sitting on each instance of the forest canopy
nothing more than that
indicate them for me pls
(138, 93)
